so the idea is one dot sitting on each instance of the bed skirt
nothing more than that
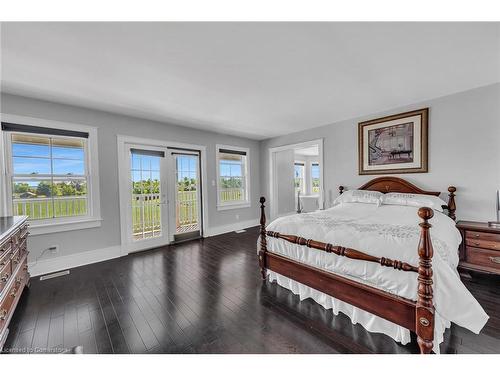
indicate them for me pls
(370, 322)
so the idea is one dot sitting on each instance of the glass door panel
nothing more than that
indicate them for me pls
(148, 214)
(187, 195)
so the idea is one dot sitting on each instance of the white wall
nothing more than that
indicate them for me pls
(464, 151)
(109, 125)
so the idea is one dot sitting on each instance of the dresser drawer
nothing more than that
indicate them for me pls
(24, 231)
(482, 236)
(23, 247)
(5, 250)
(482, 257)
(5, 275)
(16, 258)
(8, 302)
(484, 244)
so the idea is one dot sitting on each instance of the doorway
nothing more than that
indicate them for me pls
(147, 215)
(162, 185)
(185, 188)
(296, 178)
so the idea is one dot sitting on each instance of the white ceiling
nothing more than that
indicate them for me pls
(252, 79)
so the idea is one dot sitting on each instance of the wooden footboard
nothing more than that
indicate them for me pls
(416, 316)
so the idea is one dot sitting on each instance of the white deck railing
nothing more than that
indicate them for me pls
(146, 216)
(231, 194)
(42, 208)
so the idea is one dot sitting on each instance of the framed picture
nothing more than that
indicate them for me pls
(394, 144)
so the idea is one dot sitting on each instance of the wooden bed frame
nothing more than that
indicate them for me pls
(416, 316)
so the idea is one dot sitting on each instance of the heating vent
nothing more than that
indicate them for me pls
(55, 274)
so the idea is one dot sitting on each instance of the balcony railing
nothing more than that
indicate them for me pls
(146, 216)
(231, 195)
(47, 208)
(186, 210)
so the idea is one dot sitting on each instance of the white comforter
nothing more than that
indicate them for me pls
(389, 231)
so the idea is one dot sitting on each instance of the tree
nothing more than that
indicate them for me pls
(67, 189)
(21, 187)
(44, 188)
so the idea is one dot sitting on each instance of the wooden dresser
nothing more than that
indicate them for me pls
(14, 274)
(480, 247)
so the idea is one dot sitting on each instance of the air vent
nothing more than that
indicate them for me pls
(55, 274)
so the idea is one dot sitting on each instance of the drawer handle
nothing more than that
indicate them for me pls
(495, 259)
(5, 278)
(3, 314)
(476, 244)
(13, 294)
(2, 264)
(16, 260)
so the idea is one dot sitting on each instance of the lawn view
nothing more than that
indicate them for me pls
(50, 181)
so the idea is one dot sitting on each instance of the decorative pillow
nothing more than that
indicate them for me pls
(416, 200)
(360, 196)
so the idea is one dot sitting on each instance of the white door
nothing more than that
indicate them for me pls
(284, 189)
(184, 194)
(147, 207)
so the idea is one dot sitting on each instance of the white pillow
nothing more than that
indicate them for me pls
(360, 196)
(416, 200)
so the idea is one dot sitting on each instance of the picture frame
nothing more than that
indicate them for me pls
(394, 144)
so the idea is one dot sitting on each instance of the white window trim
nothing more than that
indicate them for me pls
(242, 204)
(304, 181)
(311, 163)
(93, 219)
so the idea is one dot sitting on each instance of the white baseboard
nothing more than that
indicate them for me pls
(44, 266)
(215, 231)
(65, 262)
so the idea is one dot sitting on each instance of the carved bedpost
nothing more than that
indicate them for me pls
(425, 307)
(341, 189)
(263, 239)
(451, 202)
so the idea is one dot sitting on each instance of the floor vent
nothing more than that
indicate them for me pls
(240, 231)
(55, 274)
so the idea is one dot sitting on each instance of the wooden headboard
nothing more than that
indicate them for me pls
(398, 185)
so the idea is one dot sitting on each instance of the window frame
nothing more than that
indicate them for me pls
(313, 163)
(221, 206)
(43, 226)
(303, 190)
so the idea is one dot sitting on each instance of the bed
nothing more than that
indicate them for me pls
(376, 263)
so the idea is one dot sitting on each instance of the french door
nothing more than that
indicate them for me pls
(147, 204)
(184, 194)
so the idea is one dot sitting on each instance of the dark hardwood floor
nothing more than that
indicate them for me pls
(205, 296)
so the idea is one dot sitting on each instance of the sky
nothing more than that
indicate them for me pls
(35, 159)
(146, 167)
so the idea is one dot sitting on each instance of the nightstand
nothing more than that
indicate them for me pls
(480, 247)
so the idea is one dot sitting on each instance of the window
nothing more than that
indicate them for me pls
(232, 177)
(315, 178)
(299, 178)
(48, 176)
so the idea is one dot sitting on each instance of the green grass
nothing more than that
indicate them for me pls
(37, 210)
(144, 214)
